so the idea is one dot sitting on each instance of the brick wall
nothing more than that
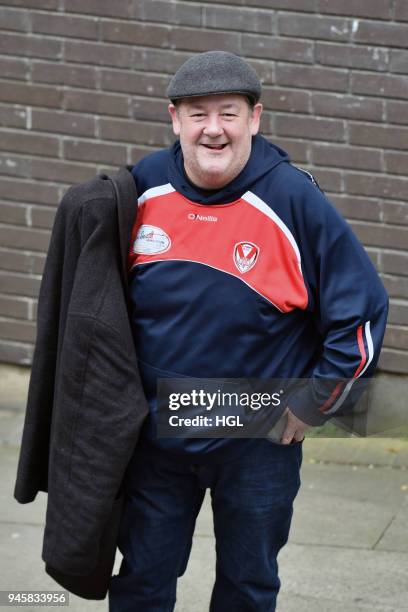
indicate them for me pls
(82, 90)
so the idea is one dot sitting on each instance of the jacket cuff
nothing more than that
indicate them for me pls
(305, 405)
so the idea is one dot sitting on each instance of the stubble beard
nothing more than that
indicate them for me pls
(206, 178)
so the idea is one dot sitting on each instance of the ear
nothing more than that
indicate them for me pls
(175, 119)
(256, 118)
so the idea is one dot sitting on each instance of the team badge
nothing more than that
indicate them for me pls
(151, 240)
(245, 256)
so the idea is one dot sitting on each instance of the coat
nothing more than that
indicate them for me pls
(86, 404)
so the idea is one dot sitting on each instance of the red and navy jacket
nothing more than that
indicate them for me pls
(260, 279)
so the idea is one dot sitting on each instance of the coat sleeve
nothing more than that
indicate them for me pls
(349, 306)
(55, 290)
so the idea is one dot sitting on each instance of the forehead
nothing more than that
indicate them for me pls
(215, 102)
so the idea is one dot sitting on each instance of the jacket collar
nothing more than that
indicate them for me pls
(126, 201)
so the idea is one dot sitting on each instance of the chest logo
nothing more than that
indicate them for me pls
(151, 240)
(245, 256)
(197, 217)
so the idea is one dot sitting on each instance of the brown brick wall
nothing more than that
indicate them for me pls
(82, 87)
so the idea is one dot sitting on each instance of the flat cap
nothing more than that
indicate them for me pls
(214, 72)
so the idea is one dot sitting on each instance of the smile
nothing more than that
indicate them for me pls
(215, 147)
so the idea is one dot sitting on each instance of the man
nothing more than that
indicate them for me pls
(238, 267)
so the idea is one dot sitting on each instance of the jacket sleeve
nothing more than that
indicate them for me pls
(64, 247)
(349, 305)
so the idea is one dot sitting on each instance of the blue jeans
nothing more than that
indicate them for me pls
(252, 498)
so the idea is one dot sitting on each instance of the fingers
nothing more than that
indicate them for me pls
(289, 433)
(289, 436)
(294, 430)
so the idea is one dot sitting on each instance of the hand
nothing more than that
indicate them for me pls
(295, 428)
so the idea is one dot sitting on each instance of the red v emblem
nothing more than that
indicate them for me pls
(245, 256)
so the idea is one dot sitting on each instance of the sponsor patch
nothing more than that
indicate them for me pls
(198, 217)
(151, 240)
(245, 256)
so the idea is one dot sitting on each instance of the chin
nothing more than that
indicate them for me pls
(216, 176)
(215, 183)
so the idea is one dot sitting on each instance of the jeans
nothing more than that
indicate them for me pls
(252, 501)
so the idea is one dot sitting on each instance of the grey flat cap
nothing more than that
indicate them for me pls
(214, 72)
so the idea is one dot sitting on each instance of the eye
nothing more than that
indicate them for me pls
(199, 115)
(229, 115)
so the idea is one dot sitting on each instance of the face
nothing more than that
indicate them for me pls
(215, 135)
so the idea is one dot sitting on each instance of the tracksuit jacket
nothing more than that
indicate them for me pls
(260, 279)
(138, 275)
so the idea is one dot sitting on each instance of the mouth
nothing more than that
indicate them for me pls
(215, 147)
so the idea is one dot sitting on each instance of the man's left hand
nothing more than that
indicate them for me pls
(295, 428)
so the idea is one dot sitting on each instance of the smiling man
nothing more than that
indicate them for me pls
(215, 135)
(239, 267)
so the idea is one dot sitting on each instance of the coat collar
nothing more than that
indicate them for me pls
(126, 200)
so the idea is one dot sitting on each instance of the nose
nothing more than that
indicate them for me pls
(213, 126)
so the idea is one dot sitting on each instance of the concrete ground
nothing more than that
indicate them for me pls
(348, 550)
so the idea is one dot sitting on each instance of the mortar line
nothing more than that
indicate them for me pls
(382, 534)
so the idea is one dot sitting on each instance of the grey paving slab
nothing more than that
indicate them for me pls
(370, 579)
(395, 536)
(11, 427)
(380, 451)
(14, 386)
(22, 568)
(194, 588)
(357, 451)
(297, 603)
(344, 506)
(401, 459)
(381, 485)
(330, 450)
(10, 510)
(204, 524)
(338, 522)
(314, 448)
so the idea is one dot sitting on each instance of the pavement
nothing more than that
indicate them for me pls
(348, 548)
